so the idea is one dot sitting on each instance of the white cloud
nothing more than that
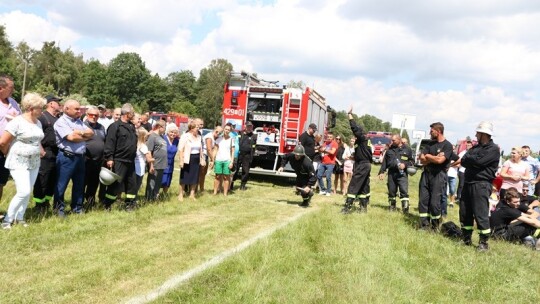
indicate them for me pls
(35, 30)
(456, 62)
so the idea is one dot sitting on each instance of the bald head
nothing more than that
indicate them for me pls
(72, 108)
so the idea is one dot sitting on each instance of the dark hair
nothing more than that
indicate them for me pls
(469, 142)
(510, 194)
(437, 126)
(526, 147)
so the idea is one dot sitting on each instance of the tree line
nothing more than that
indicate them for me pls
(125, 78)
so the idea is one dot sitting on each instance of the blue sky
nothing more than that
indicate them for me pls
(457, 62)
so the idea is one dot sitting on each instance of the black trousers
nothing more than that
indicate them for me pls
(432, 185)
(514, 232)
(359, 185)
(397, 181)
(474, 205)
(91, 179)
(128, 182)
(46, 181)
(461, 183)
(244, 159)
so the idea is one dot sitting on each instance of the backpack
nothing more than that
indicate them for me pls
(451, 230)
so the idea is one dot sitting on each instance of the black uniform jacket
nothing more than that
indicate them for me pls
(481, 162)
(394, 156)
(121, 142)
(303, 167)
(362, 146)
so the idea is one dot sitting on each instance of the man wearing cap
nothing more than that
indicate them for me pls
(305, 173)
(247, 148)
(71, 136)
(46, 179)
(481, 162)
(8, 110)
(307, 140)
(103, 119)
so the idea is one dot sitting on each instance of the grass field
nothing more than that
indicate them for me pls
(324, 257)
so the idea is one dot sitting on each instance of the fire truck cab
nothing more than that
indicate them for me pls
(379, 141)
(279, 116)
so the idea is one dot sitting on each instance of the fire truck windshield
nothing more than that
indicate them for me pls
(380, 140)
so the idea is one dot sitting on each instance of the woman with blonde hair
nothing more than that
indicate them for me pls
(142, 157)
(21, 142)
(191, 158)
(514, 172)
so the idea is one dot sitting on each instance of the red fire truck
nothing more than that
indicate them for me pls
(379, 141)
(181, 120)
(279, 116)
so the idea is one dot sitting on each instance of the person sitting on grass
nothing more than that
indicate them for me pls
(305, 173)
(511, 222)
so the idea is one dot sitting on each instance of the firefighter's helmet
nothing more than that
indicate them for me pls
(299, 150)
(107, 177)
(411, 170)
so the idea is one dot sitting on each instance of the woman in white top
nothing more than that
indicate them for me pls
(223, 160)
(191, 159)
(142, 157)
(514, 171)
(348, 162)
(21, 142)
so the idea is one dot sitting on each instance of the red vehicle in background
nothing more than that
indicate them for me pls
(461, 144)
(279, 116)
(181, 120)
(379, 142)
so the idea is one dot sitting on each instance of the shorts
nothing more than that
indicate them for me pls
(222, 167)
(4, 172)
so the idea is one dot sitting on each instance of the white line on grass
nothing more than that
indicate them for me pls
(179, 279)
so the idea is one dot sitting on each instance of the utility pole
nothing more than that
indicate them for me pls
(24, 78)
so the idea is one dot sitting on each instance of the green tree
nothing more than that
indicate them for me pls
(7, 55)
(25, 55)
(181, 86)
(210, 91)
(92, 83)
(156, 96)
(126, 78)
(46, 64)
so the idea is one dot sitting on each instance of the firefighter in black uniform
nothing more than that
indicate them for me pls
(397, 159)
(119, 154)
(245, 155)
(359, 184)
(481, 162)
(435, 158)
(305, 173)
(46, 179)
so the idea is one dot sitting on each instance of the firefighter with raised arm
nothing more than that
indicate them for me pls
(359, 184)
(305, 173)
(397, 159)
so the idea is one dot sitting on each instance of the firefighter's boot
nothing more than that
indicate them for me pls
(467, 237)
(405, 205)
(363, 205)
(392, 203)
(435, 225)
(348, 205)
(483, 244)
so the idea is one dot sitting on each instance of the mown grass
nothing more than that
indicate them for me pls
(324, 257)
(378, 257)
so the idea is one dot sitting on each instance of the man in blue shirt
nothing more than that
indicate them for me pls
(71, 137)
